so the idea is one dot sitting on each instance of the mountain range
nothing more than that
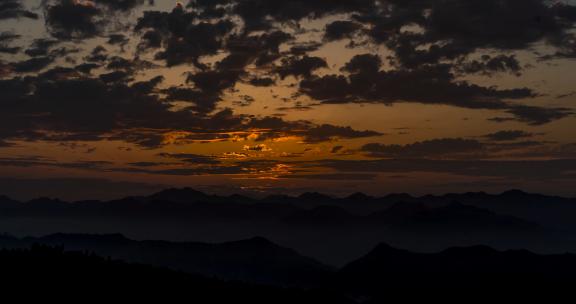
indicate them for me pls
(332, 230)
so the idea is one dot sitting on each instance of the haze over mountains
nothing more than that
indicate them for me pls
(257, 269)
(332, 230)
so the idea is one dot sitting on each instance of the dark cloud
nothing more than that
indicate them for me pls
(329, 132)
(147, 164)
(38, 161)
(557, 151)
(5, 39)
(15, 9)
(257, 148)
(121, 5)
(4, 144)
(116, 76)
(71, 107)
(98, 54)
(334, 177)
(341, 29)
(501, 119)
(471, 24)
(208, 88)
(336, 149)
(489, 65)
(40, 47)
(508, 135)
(86, 68)
(71, 19)
(32, 65)
(302, 49)
(260, 14)
(252, 37)
(363, 64)
(118, 39)
(436, 148)
(192, 158)
(301, 67)
(427, 84)
(535, 170)
(262, 82)
(183, 40)
(538, 116)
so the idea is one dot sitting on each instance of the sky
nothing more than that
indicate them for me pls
(102, 98)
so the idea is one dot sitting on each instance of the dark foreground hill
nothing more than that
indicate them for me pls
(254, 260)
(386, 275)
(53, 275)
(468, 273)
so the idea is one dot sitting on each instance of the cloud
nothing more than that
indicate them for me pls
(453, 29)
(192, 158)
(10, 9)
(508, 135)
(257, 42)
(535, 116)
(336, 149)
(341, 29)
(489, 65)
(32, 65)
(5, 39)
(76, 19)
(536, 170)
(329, 132)
(300, 67)
(73, 19)
(334, 177)
(433, 84)
(183, 41)
(261, 14)
(435, 148)
(72, 107)
(40, 47)
(257, 148)
(4, 144)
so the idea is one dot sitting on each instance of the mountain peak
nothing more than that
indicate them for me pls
(359, 196)
(257, 241)
(314, 196)
(178, 194)
(386, 249)
(514, 192)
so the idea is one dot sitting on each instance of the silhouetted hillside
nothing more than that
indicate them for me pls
(478, 272)
(386, 274)
(49, 274)
(254, 260)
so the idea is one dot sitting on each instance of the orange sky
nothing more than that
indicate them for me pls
(293, 159)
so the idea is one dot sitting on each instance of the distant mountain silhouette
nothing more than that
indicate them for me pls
(399, 212)
(459, 216)
(184, 195)
(416, 216)
(189, 203)
(254, 260)
(331, 229)
(324, 216)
